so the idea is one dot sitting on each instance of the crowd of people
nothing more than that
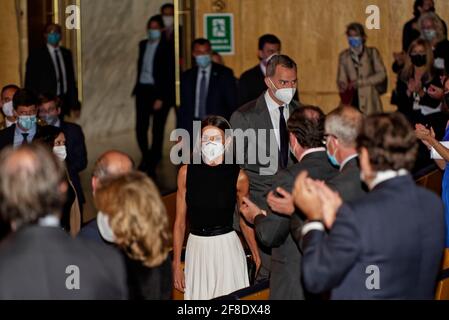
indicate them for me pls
(334, 199)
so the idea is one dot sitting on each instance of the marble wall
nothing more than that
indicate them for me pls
(111, 31)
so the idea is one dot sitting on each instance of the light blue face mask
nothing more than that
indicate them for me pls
(54, 38)
(429, 34)
(50, 119)
(332, 159)
(355, 42)
(154, 34)
(26, 122)
(203, 61)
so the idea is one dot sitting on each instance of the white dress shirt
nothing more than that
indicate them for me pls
(273, 108)
(208, 70)
(53, 51)
(146, 76)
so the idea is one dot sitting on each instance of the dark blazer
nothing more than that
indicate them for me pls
(7, 136)
(146, 283)
(252, 84)
(41, 74)
(35, 260)
(163, 70)
(273, 230)
(347, 183)
(76, 154)
(397, 227)
(255, 115)
(221, 95)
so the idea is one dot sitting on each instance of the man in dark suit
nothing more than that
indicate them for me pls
(252, 82)
(206, 89)
(386, 245)
(49, 111)
(342, 127)
(39, 259)
(50, 69)
(306, 127)
(154, 92)
(110, 164)
(25, 129)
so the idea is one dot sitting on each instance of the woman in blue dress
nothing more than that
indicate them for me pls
(427, 136)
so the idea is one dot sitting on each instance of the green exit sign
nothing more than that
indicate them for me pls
(219, 30)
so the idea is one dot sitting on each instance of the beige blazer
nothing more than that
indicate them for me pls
(371, 73)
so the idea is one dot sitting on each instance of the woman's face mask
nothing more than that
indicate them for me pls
(212, 145)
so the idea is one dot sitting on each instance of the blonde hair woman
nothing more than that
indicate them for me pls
(432, 30)
(139, 224)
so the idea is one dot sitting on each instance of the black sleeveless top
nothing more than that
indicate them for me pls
(211, 195)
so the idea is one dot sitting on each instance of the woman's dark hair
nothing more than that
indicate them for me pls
(390, 141)
(47, 135)
(216, 121)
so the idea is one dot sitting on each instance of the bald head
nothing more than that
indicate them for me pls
(30, 185)
(111, 164)
(345, 124)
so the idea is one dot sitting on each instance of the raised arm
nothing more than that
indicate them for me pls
(179, 230)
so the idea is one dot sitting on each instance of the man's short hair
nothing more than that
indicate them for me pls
(30, 184)
(268, 38)
(49, 97)
(157, 18)
(9, 87)
(307, 124)
(390, 141)
(51, 25)
(358, 28)
(201, 42)
(280, 60)
(24, 98)
(167, 6)
(102, 168)
(345, 124)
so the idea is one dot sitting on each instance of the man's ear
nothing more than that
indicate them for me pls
(59, 111)
(365, 164)
(94, 183)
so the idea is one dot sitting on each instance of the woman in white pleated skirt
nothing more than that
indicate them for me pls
(215, 262)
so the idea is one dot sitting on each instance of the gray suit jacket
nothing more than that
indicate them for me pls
(255, 115)
(273, 230)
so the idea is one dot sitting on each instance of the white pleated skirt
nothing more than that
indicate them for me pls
(214, 266)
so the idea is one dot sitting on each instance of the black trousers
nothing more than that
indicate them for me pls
(145, 98)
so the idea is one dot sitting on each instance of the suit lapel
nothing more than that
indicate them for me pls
(213, 84)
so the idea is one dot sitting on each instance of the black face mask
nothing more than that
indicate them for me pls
(419, 60)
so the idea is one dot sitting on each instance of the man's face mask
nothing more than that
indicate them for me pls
(27, 122)
(285, 94)
(53, 38)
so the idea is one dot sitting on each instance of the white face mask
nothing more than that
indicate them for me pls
(285, 95)
(104, 227)
(168, 21)
(8, 109)
(60, 152)
(212, 150)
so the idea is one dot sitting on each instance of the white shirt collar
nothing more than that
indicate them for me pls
(271, 104)
(345, 162)
(382, 176)
(311, 150)
(263, 68)
(51, 48)
(50, 221)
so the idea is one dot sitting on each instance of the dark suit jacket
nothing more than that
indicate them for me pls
(221, 95)
(255, 115)
(163, 70)
(35, 260)
(41, 74)
(7, 136)
(76, 154)
(252, 84)
(273, 230)
(398, 227)
(347, 183)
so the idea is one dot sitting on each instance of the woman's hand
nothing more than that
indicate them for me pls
(179, 277)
